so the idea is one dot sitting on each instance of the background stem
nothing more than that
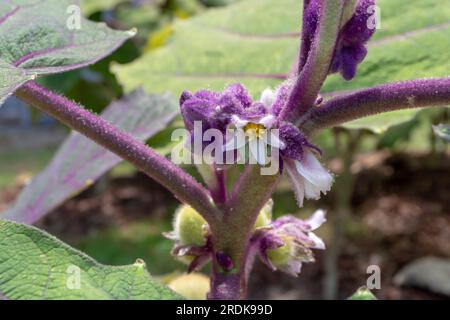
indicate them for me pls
(344, 188)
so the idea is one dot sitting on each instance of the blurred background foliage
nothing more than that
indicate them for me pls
(121, 218)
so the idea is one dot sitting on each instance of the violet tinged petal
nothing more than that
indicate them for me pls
(318, 243)
(268, 241)
(318, 179)
(268, 121)
(297, 181)
(316, 220)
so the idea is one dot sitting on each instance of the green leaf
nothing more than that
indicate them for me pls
(42, 37)
(80, 162)
(36, 265)
(363, 293)
(255, 42)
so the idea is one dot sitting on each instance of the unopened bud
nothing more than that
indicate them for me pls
(190, 227)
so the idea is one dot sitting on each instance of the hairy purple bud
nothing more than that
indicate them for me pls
(351, 45)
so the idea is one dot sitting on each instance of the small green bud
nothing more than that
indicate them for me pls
(363, 293)
(281, 256)
(265, 215)
(190, 227)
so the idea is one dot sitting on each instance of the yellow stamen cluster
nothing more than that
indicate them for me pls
(254, 130)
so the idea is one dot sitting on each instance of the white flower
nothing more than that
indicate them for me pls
(308, 177)
(257, 134)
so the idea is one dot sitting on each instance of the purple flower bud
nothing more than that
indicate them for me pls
(350, 47)
(214, 109)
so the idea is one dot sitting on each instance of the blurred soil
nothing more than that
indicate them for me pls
(401, 212)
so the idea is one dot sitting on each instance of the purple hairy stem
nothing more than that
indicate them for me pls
(231, 236)
(226, 286)
(371, 101)
(220, 194)
(319, 57)
(181, 184)
(308, 31)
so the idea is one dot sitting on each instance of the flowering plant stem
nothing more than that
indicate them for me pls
(181, 184)
(231, 225)
(231, 216)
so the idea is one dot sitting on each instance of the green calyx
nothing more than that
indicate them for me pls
(265, 215)
(281, 256)
(190, 227)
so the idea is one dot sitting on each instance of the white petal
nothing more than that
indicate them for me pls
(238, 122)
(268, 97)
(276, 142)
(258, 150)
(297, 182)
(318, 243)
(317, 219)
(311, 191)
(311, 169)
(267, 121)
(236, 142)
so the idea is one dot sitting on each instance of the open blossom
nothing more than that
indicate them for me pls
(287, 242)
(256, 125)
(255, 131)
(308, 177)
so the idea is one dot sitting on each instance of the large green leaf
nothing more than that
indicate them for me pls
(35, 265)
(80, 162)
(42, 37)
(255, 42)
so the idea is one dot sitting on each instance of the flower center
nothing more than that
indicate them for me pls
(254, 130)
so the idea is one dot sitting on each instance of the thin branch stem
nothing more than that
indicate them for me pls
(176, 180)
(383, 98)
(315, 70)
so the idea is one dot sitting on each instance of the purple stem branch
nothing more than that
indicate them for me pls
(182, 185)
(371, 101)
(306, 40)
(315, 70)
